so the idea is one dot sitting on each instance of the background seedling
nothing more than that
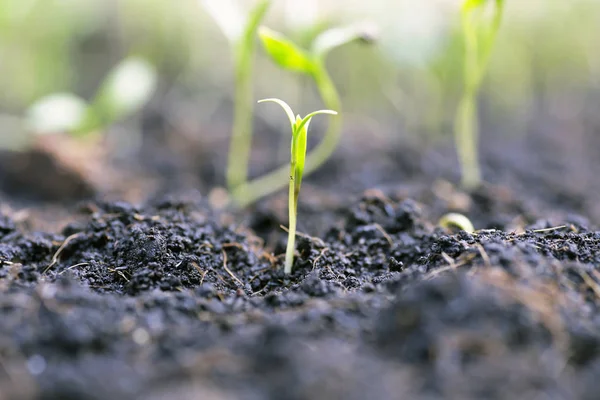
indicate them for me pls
(126, 89)
(456, 220)
(479, 33)
(241, 36)
(299, 128)
(289, 56)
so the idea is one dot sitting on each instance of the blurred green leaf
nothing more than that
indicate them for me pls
(227, 15)
(284, 52)
(56, 113)
(472, 4)
(127, 88)
(336, 37)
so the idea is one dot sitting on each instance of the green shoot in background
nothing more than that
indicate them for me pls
(125, 90)
(290, 57)
(479, 33)
(243, 44)
(299, 128)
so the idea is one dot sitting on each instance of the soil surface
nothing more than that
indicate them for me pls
(178, 298)
(174, 300)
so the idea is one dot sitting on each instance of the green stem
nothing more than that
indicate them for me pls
(466, 125)
(241, 137)
(466, 132)
(466, 129)
(292, 213)
(249, 192)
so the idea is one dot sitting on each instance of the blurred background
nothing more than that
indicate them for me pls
(539, 104)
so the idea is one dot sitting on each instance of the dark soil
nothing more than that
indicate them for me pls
(173, 300)
(179, 299)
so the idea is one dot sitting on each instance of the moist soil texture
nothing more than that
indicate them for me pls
(175, 300)
(177, 297)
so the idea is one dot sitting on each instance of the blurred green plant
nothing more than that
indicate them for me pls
(299, 128)
(479, 33)
(125, 90)
(291, 57)
(456, 220)
(242, 38)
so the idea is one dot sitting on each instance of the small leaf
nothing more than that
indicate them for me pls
(284, 52)
(336, 37)
(227, 15)
(472, 4)
(56, 113)
(306, 120)
(127, 88)
(300, 142)
(295, 135)
(300, 148)
(297, 124)
(286, 108)
(298, 153)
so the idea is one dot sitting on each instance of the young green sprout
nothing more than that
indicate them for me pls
(241, 35)
(456, 220)
(291, 57)
(479, 33)
(299, 128)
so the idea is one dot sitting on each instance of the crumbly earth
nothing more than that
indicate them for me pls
(175, 301)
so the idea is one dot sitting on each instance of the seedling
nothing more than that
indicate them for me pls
(242, 38)
(291, 57)
(457, 220)
(299, 128)
(125, 90)
(479, 33)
